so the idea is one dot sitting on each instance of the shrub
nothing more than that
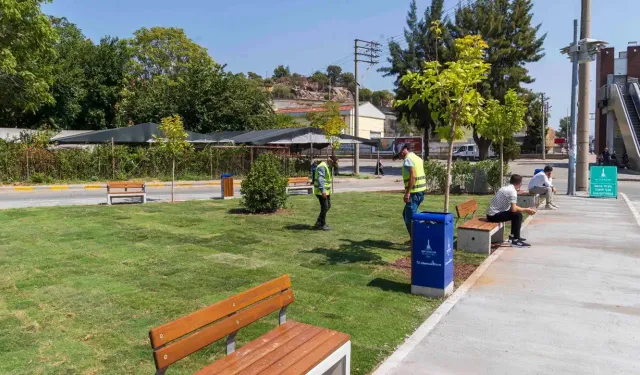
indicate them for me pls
(461, 173)
(436, 175)
(492, 169)
(265, 187)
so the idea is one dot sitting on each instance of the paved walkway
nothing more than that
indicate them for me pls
(569, 305)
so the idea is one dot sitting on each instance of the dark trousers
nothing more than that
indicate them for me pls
(325, 206)
(514, 217)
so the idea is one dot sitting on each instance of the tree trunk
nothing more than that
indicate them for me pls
(426, 135)
(483, 145)
(447, 185)
(501, 162)
(173, 176)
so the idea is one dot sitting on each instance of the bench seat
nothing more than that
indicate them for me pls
(126, 189)
(477, 234)
(299, 183)
(292, 348)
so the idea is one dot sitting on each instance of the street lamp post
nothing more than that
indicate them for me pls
(580, 52)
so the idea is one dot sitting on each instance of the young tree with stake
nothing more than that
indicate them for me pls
(174, 142)
(450, 92)
(502, 122)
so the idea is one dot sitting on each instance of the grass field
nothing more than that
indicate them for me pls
(80, 287)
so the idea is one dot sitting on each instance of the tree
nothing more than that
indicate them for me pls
(174, 142)
(333, 73)
(264, 190)
(281, 72)
(365, 94)
(533, 119)
(420, 45)
(254, 76)
(321, 79)
(502, 122)
(26, 49)
(506, 26)
(565, 124)
(348, 81)
(330, 122)
(382, 98)
(284, 121)
(450, 94)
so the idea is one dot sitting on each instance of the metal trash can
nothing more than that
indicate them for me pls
(432, 254)
(226, 186)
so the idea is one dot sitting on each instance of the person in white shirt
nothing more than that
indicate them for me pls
(504, 207)
(542, 184)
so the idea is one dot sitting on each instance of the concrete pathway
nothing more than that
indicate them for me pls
(568, 305)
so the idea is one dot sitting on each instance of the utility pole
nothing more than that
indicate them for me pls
(369, 52)
(543, 134)
(582, 167)
(571, 190)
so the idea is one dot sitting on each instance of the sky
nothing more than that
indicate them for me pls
(258, 35)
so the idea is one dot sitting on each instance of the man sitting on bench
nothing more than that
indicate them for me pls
(541, 184)
(503, 207)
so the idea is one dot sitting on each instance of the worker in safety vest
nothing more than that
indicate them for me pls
(322, 188)
(415, 182)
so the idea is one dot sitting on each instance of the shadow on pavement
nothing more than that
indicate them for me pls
(390, 286)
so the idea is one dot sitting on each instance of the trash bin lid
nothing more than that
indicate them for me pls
(226, 175)
(438, 217)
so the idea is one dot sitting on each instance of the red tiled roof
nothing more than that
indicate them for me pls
(311, 109)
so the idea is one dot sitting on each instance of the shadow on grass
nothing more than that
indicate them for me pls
(299, 227)
(355, 252)
(390, 286)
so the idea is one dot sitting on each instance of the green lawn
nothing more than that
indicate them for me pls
(80, 287)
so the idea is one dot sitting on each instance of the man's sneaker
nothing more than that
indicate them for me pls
(325, 228)
(511, 238)
(550, 207)
(519, 243)
(555, 205)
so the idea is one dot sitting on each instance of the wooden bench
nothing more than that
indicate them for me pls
(299, 183)
(126, 189)
(476, 234)
(528, 200)
(291, 348)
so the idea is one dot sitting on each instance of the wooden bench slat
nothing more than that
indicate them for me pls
(255, 349)
(479, 224)
(467, 208)
(260, 365)
(299, 353)
(189, 323)
(179, 349)
(312, 359)
(125, 184)
(293, 180)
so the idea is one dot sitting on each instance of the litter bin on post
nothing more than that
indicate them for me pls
(226, 186)
(432, 254)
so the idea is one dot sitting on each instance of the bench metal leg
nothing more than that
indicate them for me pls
(109, 200)
(282, 316)
(231, 343)
(474, 241)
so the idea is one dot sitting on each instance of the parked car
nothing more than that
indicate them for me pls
(469, 152)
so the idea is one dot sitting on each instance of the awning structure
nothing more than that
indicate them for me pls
(137, 134)
(294, 136)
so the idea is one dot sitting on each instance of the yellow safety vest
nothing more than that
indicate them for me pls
(327, 180)
(421, 178)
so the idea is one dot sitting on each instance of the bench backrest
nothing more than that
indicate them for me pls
(298, 180)
(466, 209)
(125, 185)
(186, 335)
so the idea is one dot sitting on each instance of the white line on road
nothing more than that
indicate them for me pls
(631, 207)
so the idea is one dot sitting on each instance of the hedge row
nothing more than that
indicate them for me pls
(19, 163)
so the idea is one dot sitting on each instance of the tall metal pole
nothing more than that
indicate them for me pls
(543, 134)
(573, 139)
(582, 168)
(356, 114)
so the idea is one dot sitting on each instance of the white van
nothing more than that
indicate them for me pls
(469, 151)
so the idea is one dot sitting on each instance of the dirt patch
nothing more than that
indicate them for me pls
(460, 271)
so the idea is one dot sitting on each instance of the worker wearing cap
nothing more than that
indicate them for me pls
(415, 182)
(322, 187)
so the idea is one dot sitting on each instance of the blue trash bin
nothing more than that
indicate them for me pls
(535, 172)
(432, 254)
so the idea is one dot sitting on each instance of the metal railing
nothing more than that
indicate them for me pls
(628, 118)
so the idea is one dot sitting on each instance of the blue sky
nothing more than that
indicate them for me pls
(258, 35)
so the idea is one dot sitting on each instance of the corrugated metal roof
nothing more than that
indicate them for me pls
(281, 136)
(141, 133)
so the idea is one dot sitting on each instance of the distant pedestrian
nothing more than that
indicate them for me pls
(415, 182)
(322, 187)
(504, 207)
(379, 168)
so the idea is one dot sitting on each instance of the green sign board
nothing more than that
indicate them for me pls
(604, 182)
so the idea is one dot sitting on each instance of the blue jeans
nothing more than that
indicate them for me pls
(411, 208)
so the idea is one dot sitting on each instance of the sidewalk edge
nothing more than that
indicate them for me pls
(635, 213)
(432, 321)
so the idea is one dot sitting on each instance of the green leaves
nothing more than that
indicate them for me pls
(175, 137)
(330, 122)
